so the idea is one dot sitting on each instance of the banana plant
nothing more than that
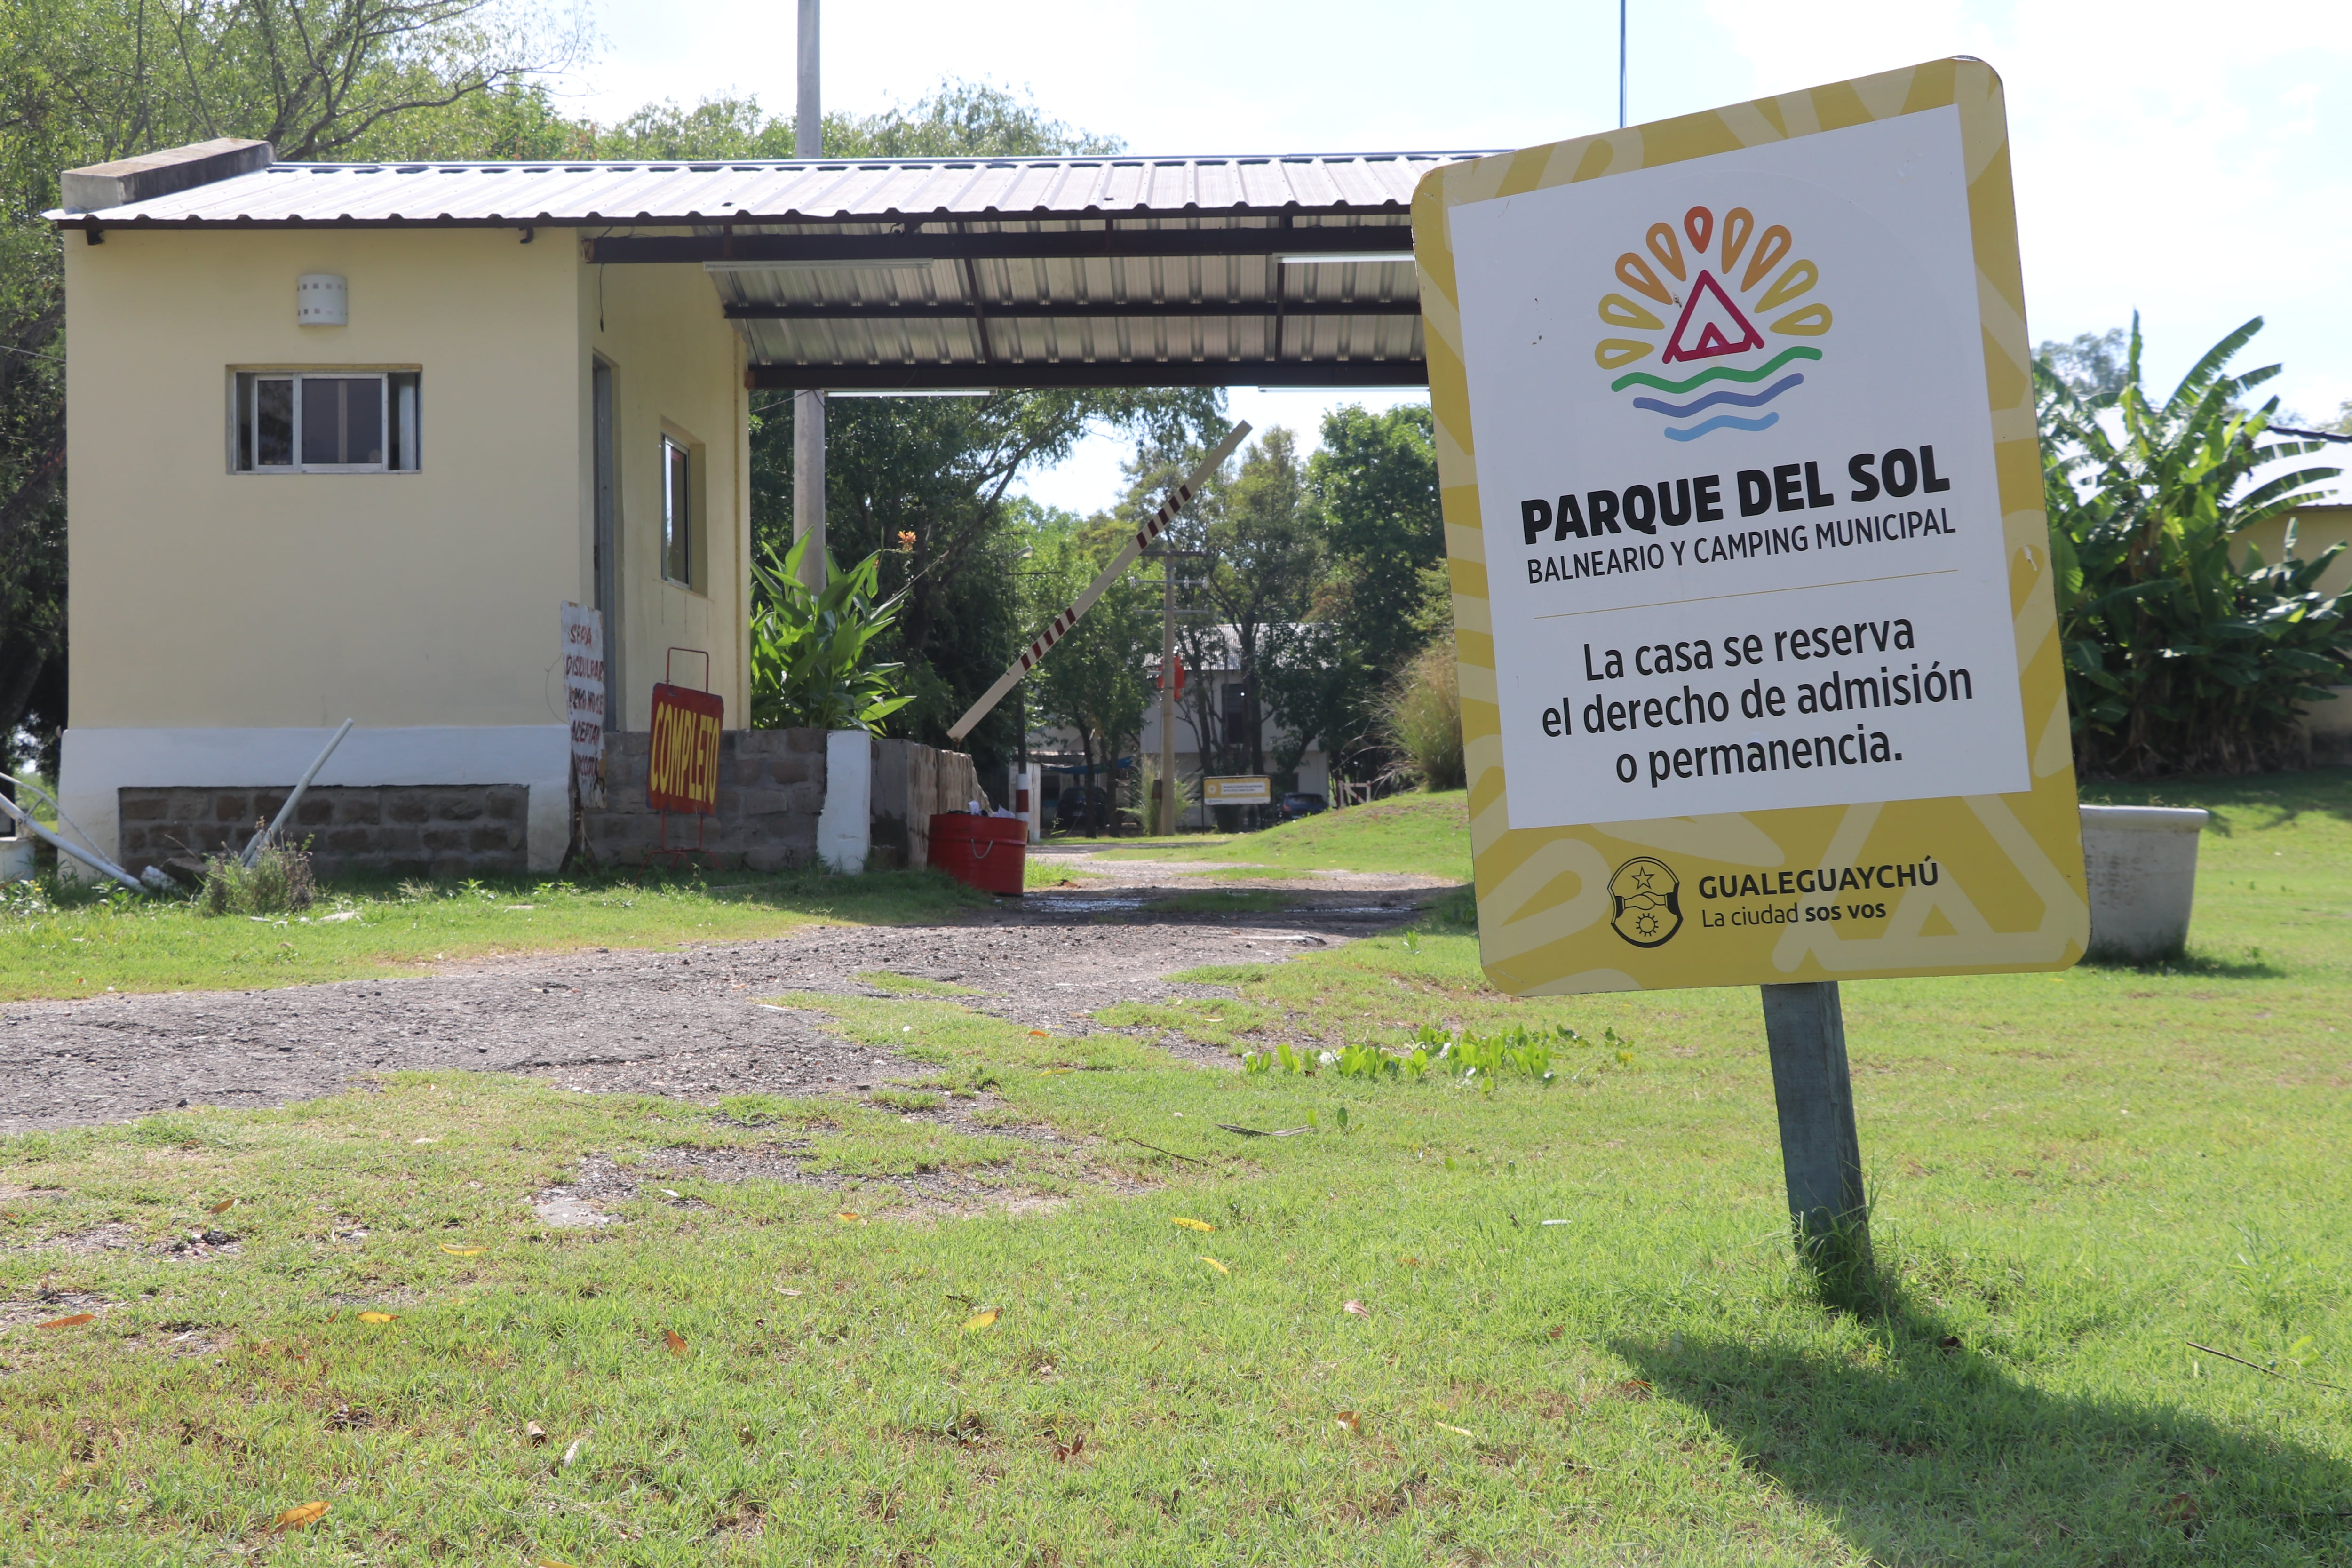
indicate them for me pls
(2185, 651)
(813, 660)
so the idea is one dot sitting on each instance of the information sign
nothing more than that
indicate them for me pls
(1238, 789)
(583, 698)
(1743, 498)
(682, 764)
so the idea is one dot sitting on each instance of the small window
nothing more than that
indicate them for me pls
(1236, 709)
(678, 513)
(359, 421)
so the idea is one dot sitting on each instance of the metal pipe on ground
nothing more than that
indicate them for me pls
(90, 858)
(286, 812)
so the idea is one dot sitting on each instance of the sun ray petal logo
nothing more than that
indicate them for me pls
(1739, 369)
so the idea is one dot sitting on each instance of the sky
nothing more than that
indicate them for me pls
(2168, 160)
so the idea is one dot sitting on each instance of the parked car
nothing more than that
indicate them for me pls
(1300, 803)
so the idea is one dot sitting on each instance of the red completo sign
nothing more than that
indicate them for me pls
(682, 771)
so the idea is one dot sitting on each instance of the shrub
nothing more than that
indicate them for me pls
(811, 659)
(1477, 1061)
(279, 882)
(2184, 652)
(1146, 804)
(1421, 717)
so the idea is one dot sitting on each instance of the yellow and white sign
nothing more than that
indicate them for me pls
(1238, 789)
(1743, 499)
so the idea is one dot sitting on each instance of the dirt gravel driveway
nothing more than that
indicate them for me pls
(685, 1022)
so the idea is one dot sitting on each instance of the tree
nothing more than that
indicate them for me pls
(1385, 597)
(1260, 538)
(2184, 652)
(2091, 366)
(1097, 679)
(955, 120)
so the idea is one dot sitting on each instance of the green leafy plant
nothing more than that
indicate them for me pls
(812, 659)
(2184, 650)
(1474, 1061)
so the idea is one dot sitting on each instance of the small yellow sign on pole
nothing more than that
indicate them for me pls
(1758, 658)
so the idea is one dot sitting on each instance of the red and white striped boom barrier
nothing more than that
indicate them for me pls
(1059, 626)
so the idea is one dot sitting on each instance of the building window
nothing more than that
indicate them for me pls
(1236, 713)
(349, 422)
(678, 513)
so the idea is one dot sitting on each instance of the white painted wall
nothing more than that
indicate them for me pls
(845, 829)
(97, 763)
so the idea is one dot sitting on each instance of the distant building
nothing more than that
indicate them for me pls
(1064, 762)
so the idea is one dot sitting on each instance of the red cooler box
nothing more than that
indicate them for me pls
(984, 852)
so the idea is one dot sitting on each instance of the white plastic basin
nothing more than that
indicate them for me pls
(2141, 864)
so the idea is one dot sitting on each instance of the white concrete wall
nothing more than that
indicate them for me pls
(100, 762)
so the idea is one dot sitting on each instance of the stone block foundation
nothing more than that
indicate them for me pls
(770, 788)
(407, 830)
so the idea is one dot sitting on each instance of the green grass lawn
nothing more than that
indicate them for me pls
(1578, 1332)
(1049, 871)
(1424, 833)
(81, 940)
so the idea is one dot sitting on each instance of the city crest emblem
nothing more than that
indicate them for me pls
(1645, 905)
(1716, 369)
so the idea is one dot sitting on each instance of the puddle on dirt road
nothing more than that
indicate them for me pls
(1095, 903)
(1064, 903)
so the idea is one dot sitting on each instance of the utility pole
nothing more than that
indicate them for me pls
(1168, 695)
(808, 406)
(808, 8)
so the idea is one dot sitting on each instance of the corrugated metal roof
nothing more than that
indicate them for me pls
(1014, 321)
(949, 272)
(849, 191)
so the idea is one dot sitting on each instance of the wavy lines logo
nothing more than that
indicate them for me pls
(1716, 369)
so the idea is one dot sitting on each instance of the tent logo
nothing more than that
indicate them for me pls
(1713, 335)
(1645, 902)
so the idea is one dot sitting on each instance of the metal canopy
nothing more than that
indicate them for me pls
(941, 274)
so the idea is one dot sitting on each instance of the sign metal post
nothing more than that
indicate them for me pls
(1821, 1152)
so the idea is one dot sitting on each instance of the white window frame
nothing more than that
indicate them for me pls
(677, 520)
(244, 383)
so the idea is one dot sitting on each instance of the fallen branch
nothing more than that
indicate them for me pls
(1258, 1133)
(2266, 1370)
(1157, 1149)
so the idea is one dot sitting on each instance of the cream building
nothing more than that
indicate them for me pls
(278, 523)
(346, 437)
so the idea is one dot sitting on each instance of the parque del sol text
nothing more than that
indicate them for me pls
(1644, 508)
